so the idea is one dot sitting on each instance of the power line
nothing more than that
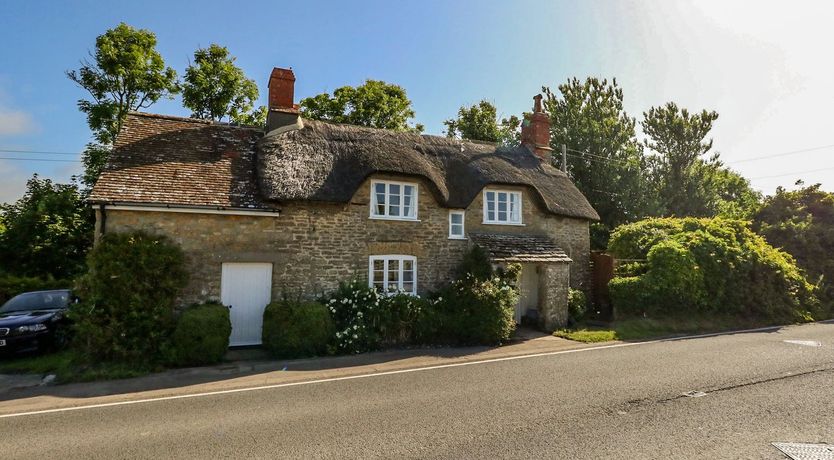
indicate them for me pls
(38, 152)
(793, 173)
(776, 155)
(596, 157)
(39, 159)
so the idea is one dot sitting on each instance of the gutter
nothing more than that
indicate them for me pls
(187, 209)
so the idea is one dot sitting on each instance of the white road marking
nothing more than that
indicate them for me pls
(807, 343)
(380, 374)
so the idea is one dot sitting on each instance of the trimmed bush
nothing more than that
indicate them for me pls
(577, 304)
(126, 312)
(714, 266)
(201, 335)
(11, 285)
(628, 295)
(297, 329)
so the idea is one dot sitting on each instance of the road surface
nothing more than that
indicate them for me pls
(625, 402)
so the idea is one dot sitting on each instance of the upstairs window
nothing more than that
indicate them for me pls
(390, 274)
(502, 207)
(456, 225)
(393, 200)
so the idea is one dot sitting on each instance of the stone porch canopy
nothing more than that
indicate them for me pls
(503, 248)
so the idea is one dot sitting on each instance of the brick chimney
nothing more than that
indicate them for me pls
(282, 110)
(535, 131)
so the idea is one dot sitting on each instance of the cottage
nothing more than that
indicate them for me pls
(305, 204)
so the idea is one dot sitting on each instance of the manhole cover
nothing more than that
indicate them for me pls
(800, 451)
(807, 343)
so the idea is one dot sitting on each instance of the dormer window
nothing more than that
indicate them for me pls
(393, 200)
(502, 207)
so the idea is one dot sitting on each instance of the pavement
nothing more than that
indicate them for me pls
(725, 396)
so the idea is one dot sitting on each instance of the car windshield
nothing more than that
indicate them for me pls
(45, 300)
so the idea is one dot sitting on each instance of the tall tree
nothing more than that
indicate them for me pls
(605, 159)
(47, 231)
(681, 172)
(375, 103)
(480, 122)
(215, 88)
(126, 73)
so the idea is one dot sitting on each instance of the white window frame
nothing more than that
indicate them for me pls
(462, 235)
(519, 199)
(387, 183)
(386, 258)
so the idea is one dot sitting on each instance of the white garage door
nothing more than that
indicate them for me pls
(246, 288)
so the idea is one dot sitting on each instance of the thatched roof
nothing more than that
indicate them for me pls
(328, 162)
(163, 160)
(519, 248)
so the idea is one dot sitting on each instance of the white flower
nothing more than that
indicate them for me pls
(355, 327)
(355, 336)
(332, 300)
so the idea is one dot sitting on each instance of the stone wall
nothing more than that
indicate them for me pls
(314, 246)
(553, 295)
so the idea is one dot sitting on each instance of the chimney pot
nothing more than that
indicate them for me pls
(282, 109)
(535, 131)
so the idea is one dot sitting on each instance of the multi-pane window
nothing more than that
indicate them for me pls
(393, 200)
(394, 273)
(456, 225)
(502, 207)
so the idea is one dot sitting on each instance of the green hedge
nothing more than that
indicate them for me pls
(201, 335)
(577, 304)
(127, 296)
(714, 266)
(297, 329)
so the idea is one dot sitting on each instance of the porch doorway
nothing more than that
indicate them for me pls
(528, 288)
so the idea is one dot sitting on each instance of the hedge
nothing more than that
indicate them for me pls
(201, 335)
(297, 329)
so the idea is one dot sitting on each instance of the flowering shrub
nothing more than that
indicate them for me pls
(354, 308)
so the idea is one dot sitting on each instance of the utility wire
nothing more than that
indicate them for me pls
(793, 173)
(783, 154)
(39, 159)
(38, 152)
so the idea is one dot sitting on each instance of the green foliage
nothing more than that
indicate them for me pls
(297, 329)
(589, 117)
(215, 88)
(126, 74)
(685, 182)
(480, 122)
(577, 304)
(375, 104)
(709, 266)
(11, 285)
(47, 231)
(128, 295)
(201, 335)
(475, 263)
(802, 223)
(587, 335)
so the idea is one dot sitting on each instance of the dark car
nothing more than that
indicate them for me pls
(34, 321)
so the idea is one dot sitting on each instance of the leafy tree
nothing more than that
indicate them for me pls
(480, 122)
(679, 139)
(126, 73)
(802, 223)
(606, 162)
(375, 103)
(47, 231)
(214, 88)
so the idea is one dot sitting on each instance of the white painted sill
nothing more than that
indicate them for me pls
(398, 219)
(504, 223)
(459, 238)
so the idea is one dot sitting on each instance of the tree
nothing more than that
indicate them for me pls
(802, 223)
(126, 74)
(375, 103)
(47, 231)
(606, 162)
(480, 122)
(679, 140)
(215, 88)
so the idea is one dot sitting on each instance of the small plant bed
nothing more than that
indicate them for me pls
(653, 328)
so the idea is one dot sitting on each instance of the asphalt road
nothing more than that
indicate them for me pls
(607, 403)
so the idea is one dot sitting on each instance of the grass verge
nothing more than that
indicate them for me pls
(650, 328)
(68, 368)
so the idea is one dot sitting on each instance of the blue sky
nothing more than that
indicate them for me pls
(765, 67)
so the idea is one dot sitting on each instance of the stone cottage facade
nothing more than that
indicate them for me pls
(304, 205)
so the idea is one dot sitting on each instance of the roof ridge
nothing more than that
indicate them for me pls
(393, 131)
(190, 120)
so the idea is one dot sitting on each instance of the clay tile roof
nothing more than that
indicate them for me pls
(519, 248)
(163, 160)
